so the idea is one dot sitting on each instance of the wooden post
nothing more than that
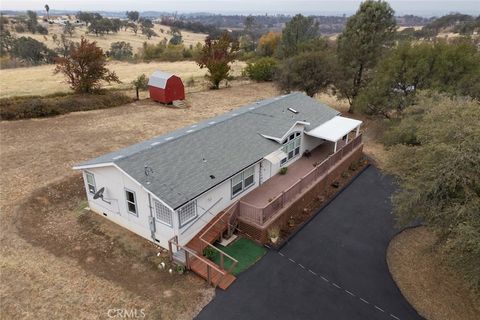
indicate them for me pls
(170, 253)
(346, 140)
(187, 260)
(221, 260)
(358, 131)
(208, 274)
(335, 147)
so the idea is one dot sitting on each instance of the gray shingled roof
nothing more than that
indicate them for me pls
(183, 160)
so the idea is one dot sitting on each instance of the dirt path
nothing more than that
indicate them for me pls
(36, 283)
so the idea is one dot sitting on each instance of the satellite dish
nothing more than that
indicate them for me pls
(99, 195)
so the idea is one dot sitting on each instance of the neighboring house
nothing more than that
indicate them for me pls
(172, 186)
(165, 87)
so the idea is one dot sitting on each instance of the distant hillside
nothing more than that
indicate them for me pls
(456, 23)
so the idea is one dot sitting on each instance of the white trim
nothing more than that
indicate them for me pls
(180, 225)
(135, 202)
(289, 130)
(88, 184)
(271, 138)
(279, 140)
(91, 166)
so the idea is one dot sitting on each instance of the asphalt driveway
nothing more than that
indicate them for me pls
(334, 268)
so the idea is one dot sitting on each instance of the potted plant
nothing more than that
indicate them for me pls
(283, 170)
(274, 234)
(180, 269)
(209, 253)
(291, 221)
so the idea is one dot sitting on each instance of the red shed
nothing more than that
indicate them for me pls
(165, 87)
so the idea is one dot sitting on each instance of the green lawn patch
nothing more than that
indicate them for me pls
(246, 251)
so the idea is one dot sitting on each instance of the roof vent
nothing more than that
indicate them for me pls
(292, 110)
(212, 176)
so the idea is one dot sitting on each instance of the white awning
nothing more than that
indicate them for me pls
(334, 129)
(276, 156)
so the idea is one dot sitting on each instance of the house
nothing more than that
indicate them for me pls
(165, 87)
(183, 189)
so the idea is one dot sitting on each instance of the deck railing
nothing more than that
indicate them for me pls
(260, 215)
(191, 255)
(224, 218)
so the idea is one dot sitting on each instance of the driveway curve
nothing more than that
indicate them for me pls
(334, 268)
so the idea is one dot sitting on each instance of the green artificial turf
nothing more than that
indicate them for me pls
(246, 251)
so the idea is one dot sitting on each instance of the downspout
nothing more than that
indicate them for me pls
(151, 219)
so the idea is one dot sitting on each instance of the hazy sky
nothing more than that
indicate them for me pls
(420, 7)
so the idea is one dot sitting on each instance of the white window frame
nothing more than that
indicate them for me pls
(292, 144)
(238, 176)
(243, 178)
(94, 185)
(127, 202)
(163, 210)
(184, 223)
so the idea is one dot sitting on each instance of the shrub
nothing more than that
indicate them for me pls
(180, 269)
(20, 28)
(41, 29)
(262, 69)
(120, 50)
(209, 253)
(273, 232)
(37, 107)
(31, 51)
(283, 170)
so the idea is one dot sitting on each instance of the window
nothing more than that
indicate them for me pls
(162, 213)
(237, 184)
(291, 147)
(131, 202)
(248, 177)
(243, 180)
(91, 182)
(187, 213)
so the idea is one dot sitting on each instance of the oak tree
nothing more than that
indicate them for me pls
(216, 56)
(85, 67)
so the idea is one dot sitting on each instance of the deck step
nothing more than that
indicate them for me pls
(222, 281)
(216, 227)
(179, 256)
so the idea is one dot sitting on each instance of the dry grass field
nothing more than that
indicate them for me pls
(41, 81)
(434, 291)
(59, 263)
(104, 41)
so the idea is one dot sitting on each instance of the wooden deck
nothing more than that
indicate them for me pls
(275, 185)
(210, 233)
(217, 279)
(217, 227)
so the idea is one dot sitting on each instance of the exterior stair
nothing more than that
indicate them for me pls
(217, 279)
(210, 233)
(217, 228)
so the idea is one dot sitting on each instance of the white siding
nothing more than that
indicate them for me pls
(115, 183)
(266, 170)
(211, 203)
